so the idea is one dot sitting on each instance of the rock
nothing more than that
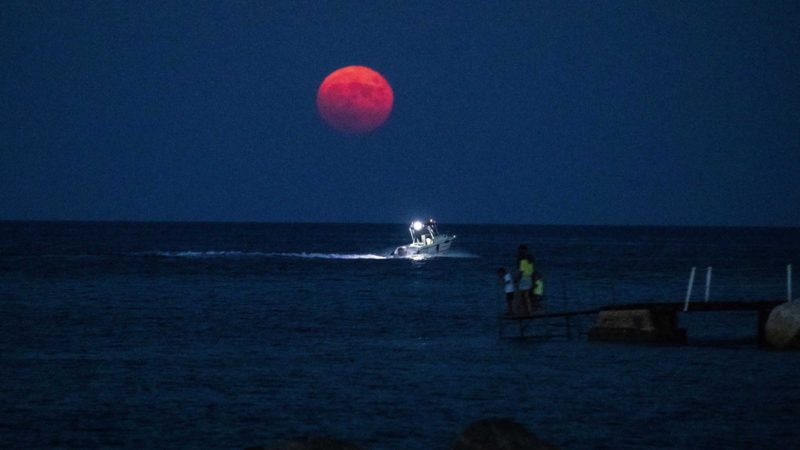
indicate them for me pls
(783, 326)
(638, 325)
(639, 319)
(310, 443)
(499, 434)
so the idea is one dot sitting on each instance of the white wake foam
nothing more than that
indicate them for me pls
(305, 255)
(240, 254)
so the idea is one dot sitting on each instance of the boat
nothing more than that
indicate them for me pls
(425, 240)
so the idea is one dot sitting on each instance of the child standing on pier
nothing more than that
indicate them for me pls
(508, 288)
(538, 289)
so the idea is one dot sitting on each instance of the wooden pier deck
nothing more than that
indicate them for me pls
(663, 317)
(523, 321)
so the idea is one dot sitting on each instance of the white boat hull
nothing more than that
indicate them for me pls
(436, 247)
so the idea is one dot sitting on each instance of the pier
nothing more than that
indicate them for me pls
(523, 322)
(650, 322)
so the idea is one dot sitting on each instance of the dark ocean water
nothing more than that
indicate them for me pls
(188, 335)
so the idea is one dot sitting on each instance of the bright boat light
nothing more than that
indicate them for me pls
(417, 225)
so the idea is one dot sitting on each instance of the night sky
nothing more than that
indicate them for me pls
(619, 113)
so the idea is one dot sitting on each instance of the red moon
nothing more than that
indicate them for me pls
(355, 99)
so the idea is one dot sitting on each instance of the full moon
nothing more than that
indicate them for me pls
(355, 99)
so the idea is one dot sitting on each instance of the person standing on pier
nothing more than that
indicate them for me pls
(525, 275)
(508, 288)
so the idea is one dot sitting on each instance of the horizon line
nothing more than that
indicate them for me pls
(287, 222)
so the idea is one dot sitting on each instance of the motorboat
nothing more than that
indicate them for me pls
(425, 240)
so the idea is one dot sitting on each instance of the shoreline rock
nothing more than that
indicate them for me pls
(483, 434)
(309, 443)
(499, 434)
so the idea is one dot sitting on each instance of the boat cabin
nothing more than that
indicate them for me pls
(423, 233)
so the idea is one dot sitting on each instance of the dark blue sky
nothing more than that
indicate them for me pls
(656, 113)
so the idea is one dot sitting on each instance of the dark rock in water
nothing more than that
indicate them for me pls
(638, 325)
(783, 326)
(499, 434)
(310, 443)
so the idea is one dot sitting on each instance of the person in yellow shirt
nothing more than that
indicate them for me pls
(526, 283)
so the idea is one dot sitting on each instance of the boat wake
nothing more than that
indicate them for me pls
(301, 255)
(239, 254)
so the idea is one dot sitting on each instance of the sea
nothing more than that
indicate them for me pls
(232, 335)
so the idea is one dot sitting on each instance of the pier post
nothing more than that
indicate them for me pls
(689, 290)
